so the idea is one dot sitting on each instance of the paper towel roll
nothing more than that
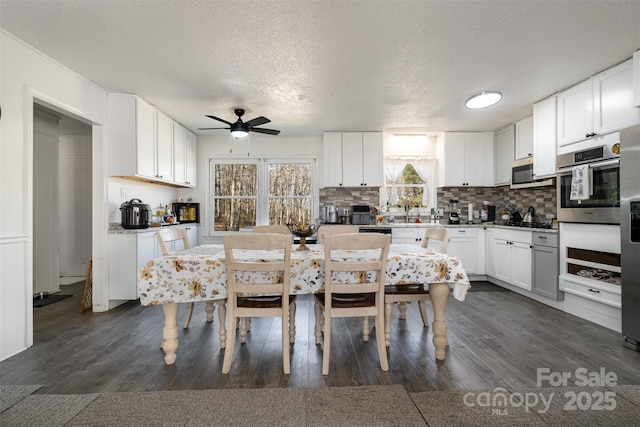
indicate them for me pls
(470, 212)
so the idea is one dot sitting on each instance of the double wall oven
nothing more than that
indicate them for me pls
(603, 203)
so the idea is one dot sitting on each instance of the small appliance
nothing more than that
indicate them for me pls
(135, 215)
(454, 217)
(330, 214)
(361, 215)
(522, 175)
(187, 212)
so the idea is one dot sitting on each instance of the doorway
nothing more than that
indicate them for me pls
(62, 148)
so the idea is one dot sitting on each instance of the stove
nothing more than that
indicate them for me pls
(546, 225)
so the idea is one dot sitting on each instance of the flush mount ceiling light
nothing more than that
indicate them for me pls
(483, 99)
(239, 130)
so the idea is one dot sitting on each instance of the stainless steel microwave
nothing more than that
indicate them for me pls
(522, 175)
(603, 204)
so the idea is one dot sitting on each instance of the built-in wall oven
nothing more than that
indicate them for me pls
(601, 204)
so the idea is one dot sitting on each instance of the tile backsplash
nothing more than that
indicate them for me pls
(543, 199)
(345, 197)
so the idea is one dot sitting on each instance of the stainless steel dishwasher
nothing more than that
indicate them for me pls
(545, 265)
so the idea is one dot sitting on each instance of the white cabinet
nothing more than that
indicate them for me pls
(636, 79)
(489, 252)
(352, 159)
(544, 138)
(524, 138)
(600, 105)
(467, 243)
(504, 148)
(141, 142)
(466, 159)
(184, 155)
(408, 235)
(509, 257)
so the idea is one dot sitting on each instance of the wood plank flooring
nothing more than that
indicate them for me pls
(496, 339)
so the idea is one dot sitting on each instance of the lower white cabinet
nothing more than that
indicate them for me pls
(407, 235)
(466, 243)
(129, 252)
(509, 257)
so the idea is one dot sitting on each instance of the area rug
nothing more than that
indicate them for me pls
(12, 394)
(48, 299)
(45, 409)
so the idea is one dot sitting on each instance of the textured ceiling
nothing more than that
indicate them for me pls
(314, 66)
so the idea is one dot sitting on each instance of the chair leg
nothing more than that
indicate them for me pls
(209, 308)
(292, 322)
(231, 342)
(286, 362)
(365, 329)
(243, 329)
(187, 315)
(387, 324)
(222, 318)
(423, 313)
(318, 328)
(380, 341)
(326, 351)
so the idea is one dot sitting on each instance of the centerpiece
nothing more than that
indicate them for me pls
(303, 231)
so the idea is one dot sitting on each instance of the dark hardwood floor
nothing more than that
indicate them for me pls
(496, 339)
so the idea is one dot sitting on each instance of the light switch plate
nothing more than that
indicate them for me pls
(123, 192)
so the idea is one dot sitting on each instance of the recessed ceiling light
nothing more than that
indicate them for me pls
(483, 99)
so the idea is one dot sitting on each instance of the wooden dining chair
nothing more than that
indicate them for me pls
(258, 287)
(354, 287)
(402, 294)
(272, 228)
(335, 229)
(175, 235)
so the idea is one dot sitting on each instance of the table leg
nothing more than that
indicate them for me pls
(222, 318)
(402, 310)
(170, 332)
(439, 293)
(208, 308)
(365, 329)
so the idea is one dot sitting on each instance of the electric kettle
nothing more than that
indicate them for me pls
(530, 216)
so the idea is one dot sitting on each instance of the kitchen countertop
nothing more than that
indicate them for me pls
(479, 225)
(116, 228)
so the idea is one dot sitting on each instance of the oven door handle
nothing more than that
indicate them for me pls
(597, 165)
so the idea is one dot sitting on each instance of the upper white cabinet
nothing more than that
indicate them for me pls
(504, 141)
(466, 159)
(524, 138)
(352, 159)
(141, 143)
(636, 79)
(544, 138)
(184, 156)
(600, 105)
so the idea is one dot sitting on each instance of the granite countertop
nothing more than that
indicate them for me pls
(444, 224)
(116, 228)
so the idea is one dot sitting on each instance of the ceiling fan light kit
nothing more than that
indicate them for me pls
(241, 129)
(483, 99)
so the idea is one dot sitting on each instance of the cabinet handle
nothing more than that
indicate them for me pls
(595, 291)
(589, 135)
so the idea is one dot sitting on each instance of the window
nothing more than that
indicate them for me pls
(402, 178)
(268, 191)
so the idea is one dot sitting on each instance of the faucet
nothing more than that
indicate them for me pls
(407, 209)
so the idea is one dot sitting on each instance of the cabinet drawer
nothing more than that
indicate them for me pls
(593, 293)
(545, 239)
(463, 232)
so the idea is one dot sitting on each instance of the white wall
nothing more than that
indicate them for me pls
(151, 194)
(223, 146)
(25, 75)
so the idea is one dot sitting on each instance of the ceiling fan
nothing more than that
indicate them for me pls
(241, 129)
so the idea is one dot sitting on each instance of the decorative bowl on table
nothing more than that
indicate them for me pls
(303, 231)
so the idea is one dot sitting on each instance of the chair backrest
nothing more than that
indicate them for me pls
(440, 234)
(359, 268)
(280, 229)
(326, 230)
(172, 234)
(278, 260)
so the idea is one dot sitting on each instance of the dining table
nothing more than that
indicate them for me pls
(198, 274)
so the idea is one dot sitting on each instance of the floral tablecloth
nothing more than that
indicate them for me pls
(199, 274)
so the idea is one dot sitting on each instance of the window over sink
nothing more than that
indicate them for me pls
(249, 192)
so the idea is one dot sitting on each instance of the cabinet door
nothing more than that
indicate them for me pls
(613, 99)
(489, 252)
(524, 138)
(504, 155)
(192, 233)
(332, 159)
(521, 261)
(575, 113)
(146, 249)
(636, 79)
(465, 248)
(179, 153)
(352, 159)
(451, 146)
(502, 256)
(404, 235)
(544, 138)
(191, 159)
(372, 162)
(145, 139)
(164, 141)
(545, 271)
(478, 159)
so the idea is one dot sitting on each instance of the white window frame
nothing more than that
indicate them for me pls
(262, 198)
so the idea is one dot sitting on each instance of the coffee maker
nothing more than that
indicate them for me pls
(454, 217)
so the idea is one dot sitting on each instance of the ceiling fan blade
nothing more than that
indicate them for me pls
(211, 128)
(267, 131)
(257, 121)
(218, 119)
